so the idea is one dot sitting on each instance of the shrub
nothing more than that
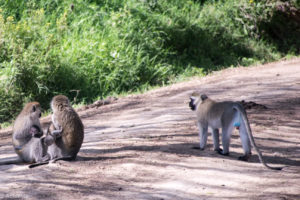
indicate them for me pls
(110, 47)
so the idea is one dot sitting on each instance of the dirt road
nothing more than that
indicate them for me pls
(141, 146)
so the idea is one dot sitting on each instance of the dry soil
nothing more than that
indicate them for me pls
(142, 146)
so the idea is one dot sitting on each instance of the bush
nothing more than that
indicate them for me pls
(109, 47)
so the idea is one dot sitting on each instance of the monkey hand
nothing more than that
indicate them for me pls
(57, 133)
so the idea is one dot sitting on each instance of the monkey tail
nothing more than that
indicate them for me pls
(66, 158)
(38, 164)
(10, 161)
(249, 132)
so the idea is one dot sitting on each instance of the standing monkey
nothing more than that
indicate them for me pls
(66, 144)
(225, 115)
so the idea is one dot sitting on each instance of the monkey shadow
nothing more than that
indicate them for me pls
(101, 189)
(269, 159)
(11, 160)
(99, 158)
(191, 149)
(208, 152)
(79, 158)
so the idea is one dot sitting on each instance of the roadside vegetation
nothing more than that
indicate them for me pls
(90, 49)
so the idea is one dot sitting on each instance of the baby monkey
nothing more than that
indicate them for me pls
(226, 115)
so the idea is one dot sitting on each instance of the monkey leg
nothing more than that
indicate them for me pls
(66, 158)
(202, 136)
(226, 134)
(39, 150)
(245, 142)
(216, 139)
(228, 122)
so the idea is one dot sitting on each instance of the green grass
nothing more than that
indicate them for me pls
(103, 47)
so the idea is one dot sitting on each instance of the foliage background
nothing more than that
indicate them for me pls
(107, 47)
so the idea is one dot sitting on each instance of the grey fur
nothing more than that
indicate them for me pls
(225, 115)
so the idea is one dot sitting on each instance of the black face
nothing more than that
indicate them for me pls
(36, 131)
(192, 105)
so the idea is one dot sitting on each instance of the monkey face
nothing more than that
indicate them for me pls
(36, 111)
(192, 104)
(33, 109)
(35, 131)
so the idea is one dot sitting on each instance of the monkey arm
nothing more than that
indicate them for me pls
(57, 133)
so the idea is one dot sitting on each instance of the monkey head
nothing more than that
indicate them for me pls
(35, 131)
(59, 102)
(195, 99)
(191, 104)
(33, 109)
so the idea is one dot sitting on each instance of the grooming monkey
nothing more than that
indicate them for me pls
(28, 140)
(66, 144)
(65, 116)
(27, 133)
(225, 115)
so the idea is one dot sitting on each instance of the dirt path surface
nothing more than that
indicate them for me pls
(141, 146)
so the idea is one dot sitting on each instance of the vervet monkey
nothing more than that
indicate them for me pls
(68, 143)
(28, 140)
(72, 135)
(27, 133)
(51, 136)
(225, 115)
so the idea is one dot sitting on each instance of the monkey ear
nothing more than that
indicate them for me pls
(33, 108)
(193, 98)
(203, 97)
(60, 107)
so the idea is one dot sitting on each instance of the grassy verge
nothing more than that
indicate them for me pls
(106, 47)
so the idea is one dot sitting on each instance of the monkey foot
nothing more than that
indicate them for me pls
(46, 158)
(244, 157)
(196, 147)
(221, 152)
(219, 149)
